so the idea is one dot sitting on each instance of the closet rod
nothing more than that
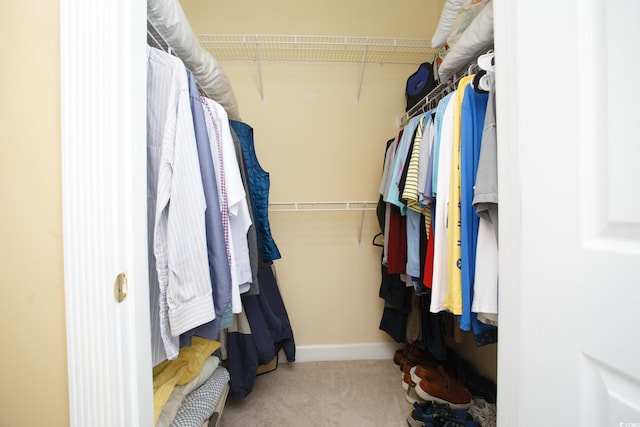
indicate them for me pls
(155, 39)
(366, 205)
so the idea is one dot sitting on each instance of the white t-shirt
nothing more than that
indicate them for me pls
(439, 282)
(485, 297)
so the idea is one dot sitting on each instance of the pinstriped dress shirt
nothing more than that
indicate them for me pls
(180, 285)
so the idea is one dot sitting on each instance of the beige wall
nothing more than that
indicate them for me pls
(319, 145)
(33, 389)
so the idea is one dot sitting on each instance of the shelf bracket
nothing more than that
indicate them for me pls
(364, 61)
(258, 60)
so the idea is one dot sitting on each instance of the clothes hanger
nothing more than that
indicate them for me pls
(487, 61)
(373, 242)
(482, 81)
(485, 82)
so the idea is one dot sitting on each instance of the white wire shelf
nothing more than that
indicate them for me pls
(362, 50)
(366, 205)
(361, 206)
(317, 48)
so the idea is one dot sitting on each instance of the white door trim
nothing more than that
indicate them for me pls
(506, 43)
(103, 109)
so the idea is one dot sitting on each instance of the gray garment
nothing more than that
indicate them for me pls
(252, 237)
(199, 405)
(486, 187)
(413, 243)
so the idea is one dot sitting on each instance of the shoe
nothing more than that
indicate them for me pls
(399, 356)
(444, 390)
(433, 414)
(483, 412)
(411, 395)
(406, 381)
(407, 364)
(419, 372)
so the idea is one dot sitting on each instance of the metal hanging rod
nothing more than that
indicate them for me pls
(155, 39)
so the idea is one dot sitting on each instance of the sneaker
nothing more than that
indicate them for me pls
(483, 412)
(419, 372)
(433, 414)
(406, 381)
(444, 390)
(411, 395)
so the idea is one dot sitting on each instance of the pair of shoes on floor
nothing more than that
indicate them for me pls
(434, 414)
(433, 383)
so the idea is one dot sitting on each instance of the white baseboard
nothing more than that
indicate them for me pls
(361, 351)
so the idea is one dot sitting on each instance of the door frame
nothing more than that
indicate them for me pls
(103, 142)
(103, 78)
(509, 199)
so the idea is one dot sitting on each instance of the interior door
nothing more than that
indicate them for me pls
(569, 168)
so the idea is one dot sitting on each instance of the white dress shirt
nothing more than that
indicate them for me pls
(228, 173)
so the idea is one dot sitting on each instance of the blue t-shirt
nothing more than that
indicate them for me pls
(474, 106)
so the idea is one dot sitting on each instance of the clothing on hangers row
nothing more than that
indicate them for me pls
(210, 244)
(439, 189)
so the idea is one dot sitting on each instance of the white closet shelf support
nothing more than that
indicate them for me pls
(363, 206)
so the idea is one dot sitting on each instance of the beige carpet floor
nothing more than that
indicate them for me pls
(342, 394)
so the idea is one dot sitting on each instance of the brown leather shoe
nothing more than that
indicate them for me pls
(407, 364)
(444, 390)
(398, 356)
(419, 372)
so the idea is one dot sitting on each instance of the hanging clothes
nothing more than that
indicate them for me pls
(436, 168)
(485, 199)
(474, 108)
(181, 296)
(219, 270)
(259, 183)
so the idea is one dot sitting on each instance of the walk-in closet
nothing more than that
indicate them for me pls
(321, 109)
(336, 106)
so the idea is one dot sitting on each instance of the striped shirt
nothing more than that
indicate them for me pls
(180, 285)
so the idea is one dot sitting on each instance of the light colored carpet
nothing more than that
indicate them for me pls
(342, 394)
